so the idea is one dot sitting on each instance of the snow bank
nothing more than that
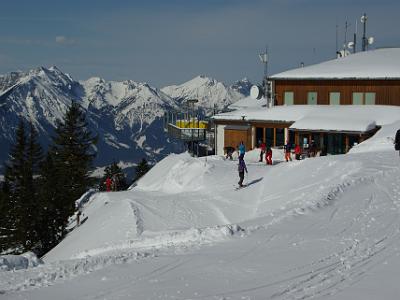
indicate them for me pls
(104, 223)
(175, 174)
(382, 140)
(16, 262)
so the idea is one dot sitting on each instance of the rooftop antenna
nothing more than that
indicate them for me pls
(337, 37)
(365, 41)
(346, 26)
(264, 59)
(364, 38)
(355, 38)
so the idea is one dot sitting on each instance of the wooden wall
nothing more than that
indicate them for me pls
(387, 91)
(233, 137)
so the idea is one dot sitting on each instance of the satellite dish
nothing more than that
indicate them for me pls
(371, 40)
(363, 19)
(256, 92)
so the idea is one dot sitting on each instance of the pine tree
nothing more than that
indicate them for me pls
(115, 173)
(21, 200)
(6, 225)
(142, 168)
(52, 199)
(72, 155)
(15, 178)
(32, 207)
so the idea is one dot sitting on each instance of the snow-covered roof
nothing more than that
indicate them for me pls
(374, 64)
(334, 123)
(354, 118)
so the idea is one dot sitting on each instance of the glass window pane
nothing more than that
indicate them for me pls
(289, 98)
(280, 136)
(370, 98)
(357, 98)
(334, 98)
(269, 137)
(312, 98)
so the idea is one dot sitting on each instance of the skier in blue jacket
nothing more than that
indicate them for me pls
(242, 149)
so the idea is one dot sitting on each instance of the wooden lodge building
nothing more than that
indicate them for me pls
(337, 104)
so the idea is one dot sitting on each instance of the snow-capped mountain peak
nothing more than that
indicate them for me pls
(208, 91)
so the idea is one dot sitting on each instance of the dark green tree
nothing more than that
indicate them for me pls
(21, 199)
(6, 220)
(72, 155)
(115, 173)
(52, 202)
(142, 168)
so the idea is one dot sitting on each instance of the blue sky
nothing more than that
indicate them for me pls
(168, 42)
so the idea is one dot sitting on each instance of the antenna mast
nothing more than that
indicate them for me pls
(364, 38)
(355, 39)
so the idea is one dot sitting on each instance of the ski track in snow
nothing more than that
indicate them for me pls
(367, 234)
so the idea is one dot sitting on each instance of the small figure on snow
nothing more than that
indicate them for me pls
(108, 184)
(262, 148)
(268, 156)
(397, 141)
(288, 148)
(241, 168)
(229, 151)
(78, 215)
(313, 149)
(297, 152)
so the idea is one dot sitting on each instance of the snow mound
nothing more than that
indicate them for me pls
(382, 141)
(175, 174)
(17, 262)
(100, 228)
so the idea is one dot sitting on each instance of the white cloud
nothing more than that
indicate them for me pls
(63, 40)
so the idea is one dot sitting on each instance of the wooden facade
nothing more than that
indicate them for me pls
(387, 92)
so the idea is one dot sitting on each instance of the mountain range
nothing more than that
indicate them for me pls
(126, 115)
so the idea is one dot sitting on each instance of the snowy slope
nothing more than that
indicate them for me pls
(322, 228)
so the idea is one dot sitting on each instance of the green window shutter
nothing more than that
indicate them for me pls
(312, 98)
(334, 98)
(289, 98)
(358, 98)
(370, 98)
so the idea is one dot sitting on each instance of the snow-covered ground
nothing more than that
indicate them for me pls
(322, 228)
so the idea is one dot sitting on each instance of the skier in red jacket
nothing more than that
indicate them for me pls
(268, 156)
(108, 184)
(297, 152)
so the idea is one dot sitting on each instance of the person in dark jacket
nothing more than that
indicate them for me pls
(229, 151)
(397, 141)
(241, 168)
(288, 148)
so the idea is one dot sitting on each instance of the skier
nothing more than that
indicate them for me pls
(242, 150)
(262, 147)
(268, 156)
(108, 184)
(287, 149)
(313, 149)
(241, 168)
(78, 215)
(297, 152)
(229, 151)
(397, 141)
